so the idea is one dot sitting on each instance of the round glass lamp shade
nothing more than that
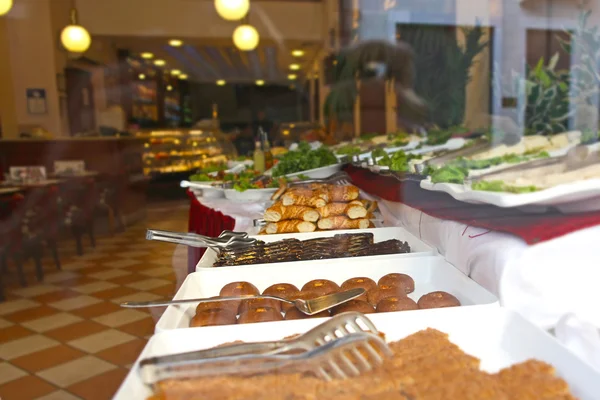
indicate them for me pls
(5, 6)
(245, 37)
(232, 10)
(75, 38)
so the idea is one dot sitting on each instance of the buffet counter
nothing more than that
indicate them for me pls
(118, 161)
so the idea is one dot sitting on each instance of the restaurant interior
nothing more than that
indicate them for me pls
(136, 135)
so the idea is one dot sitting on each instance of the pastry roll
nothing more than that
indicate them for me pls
(353, 211)
(370, 205)
(343, 222)
(343, 193)
(308, 198)
(279, 212)
(290, 226)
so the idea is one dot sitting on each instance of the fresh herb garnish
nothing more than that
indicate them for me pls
(398, 161)
(304, 159)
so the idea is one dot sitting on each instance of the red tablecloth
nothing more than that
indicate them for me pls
(531, 227)
(204, 221)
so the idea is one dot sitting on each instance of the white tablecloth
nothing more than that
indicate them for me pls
(554, 283)
(244, 214)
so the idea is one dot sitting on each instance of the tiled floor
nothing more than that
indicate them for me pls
(66, 338)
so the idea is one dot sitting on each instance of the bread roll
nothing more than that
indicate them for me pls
(343, 222)
(352, 211)
(310, 198)
(279, 212)
(343, 193)
(290, 226)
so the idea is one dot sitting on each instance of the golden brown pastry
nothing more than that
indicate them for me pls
(260, 314)
(246, 305)
(362, 282)
(382, 292)
(343, 193)
(320, 287)
(353, 305)
(438, 300)
(343, 222)
(290, 226)
(213, 317)
(277, 195)
(396, 279)
(294, 313)
(396, 303)
(238, 289)
(283, 290)
(230, 305)
(305, 197)
(351, 211)
(279, 212)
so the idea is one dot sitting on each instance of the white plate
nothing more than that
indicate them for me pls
(250, 194)
(574, 197)
(317, 173)
(430, 273)
(498, 337)
(417, 246)
(212, 193)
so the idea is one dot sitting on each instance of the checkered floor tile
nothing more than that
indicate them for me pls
(66, 338)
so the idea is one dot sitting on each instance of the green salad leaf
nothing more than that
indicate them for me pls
(589, 136)
(349, 150)
(303, 159)
(398, 161)
(449, 174)
(378, 152)
(500, 186)
(368, 136)
(202, 178)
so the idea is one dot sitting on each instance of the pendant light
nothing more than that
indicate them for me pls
(245, 37)
(232, 10)
(74, 37)
(5, 6)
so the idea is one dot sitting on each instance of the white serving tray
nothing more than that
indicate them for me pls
(417, 246)
(431, 273)
(250, 195)
(580, 196)
(498, 337)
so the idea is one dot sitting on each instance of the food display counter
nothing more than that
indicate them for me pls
(459, 289)
(183, 150)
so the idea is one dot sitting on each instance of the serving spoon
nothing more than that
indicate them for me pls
(308, 307)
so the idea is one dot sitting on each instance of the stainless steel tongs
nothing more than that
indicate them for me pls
(339, 178)
(345, 345)
(226, 240)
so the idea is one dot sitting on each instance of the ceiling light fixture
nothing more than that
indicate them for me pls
(169, 88)
(291, 77)
(5, 6)
(221, 82)
(175, 43)
(175, 72)
(74, 37)
(294, 67)
(260, 82)
(245, 37)
(297, 53)
(147, 55)
(232, 10)
(183, 76)
(142, 76)
(160, 63)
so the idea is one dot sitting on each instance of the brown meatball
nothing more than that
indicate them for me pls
(362, 282)
(376, 295)
(438, 300)
(239, 289)
(395, 303)
(215, 316)
(395, 279)
(245, 305)
(294, 313)
(283, 290)
(321, 287)
(231, 305)
(353, 305)
(260, 314)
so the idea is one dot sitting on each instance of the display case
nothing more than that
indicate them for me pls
(183, 150)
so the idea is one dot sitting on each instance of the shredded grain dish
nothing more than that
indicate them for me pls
(425, 366)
